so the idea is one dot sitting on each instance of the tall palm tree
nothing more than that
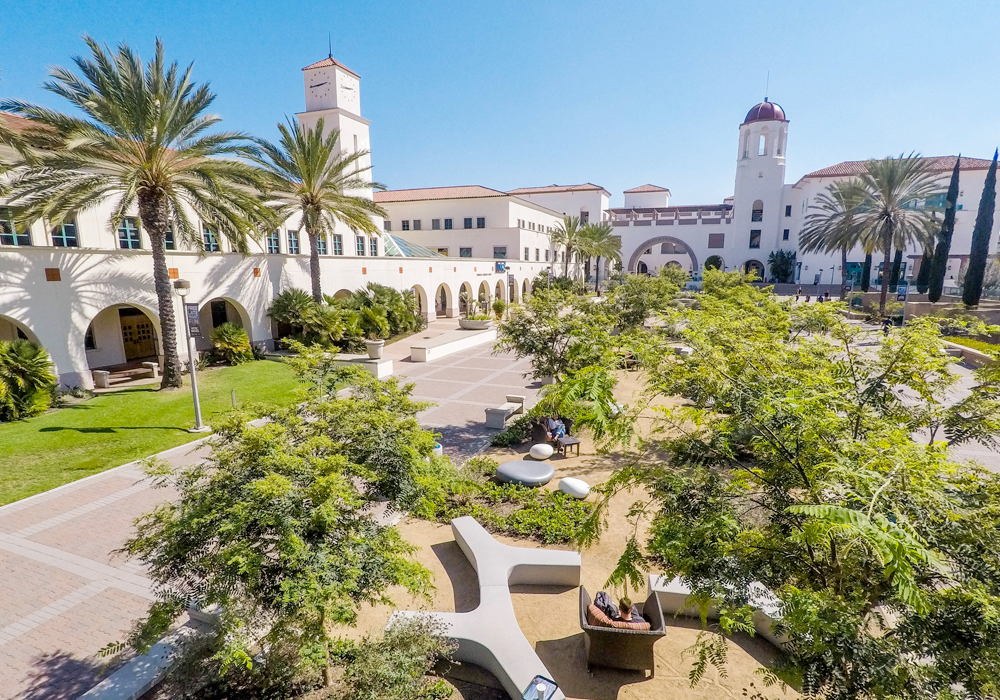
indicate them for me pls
(834, 225)
(307, 175)
(141, 142)
(893, 211)
(567, 234)
(597, 241)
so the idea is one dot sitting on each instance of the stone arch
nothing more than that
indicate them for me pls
(525, 289)
(500, 290)
(484, 296)
(754, 266)
(641, 268)
(513, 291)
(342, 294)
(426, 310)
(121, 334)
(444, 303)
(213, 313)
(463, 305)
(12, 329)
(679, 245)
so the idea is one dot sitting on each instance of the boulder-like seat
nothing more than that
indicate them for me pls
(527, 472)
(577, 488)
(489, 636)
(542, 450)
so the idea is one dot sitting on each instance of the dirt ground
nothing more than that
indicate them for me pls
(549, 617)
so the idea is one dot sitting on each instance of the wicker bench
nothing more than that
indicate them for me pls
(622, 648)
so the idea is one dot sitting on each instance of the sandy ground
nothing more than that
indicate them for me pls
(549, 617)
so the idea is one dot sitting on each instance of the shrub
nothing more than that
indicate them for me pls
(499, 306)
(514, 434)
(231, 344)
(26, 380)
(974, 343)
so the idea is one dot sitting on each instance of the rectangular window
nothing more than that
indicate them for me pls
(128, 234)
(211, 240)
(447, 224)
(527, 253)
(274, 242)
(64, 236)
(293, 242)
(536, 254)
(359, 245)
(465, 252)
(443, 251)
(321, 245)
(500, 251)
(788, 210)
(8, 233)
(338, 244)
(784, 234)
(406, 224)
(168, 240)
(584, 217)
(716, 240)
(386, 225)
(373, 247)
(546, 255)
(755, 238)
(416, 224)
(481, 222)
(435, 224)
(468, 222)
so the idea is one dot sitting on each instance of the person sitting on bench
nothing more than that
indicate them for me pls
(556, 428)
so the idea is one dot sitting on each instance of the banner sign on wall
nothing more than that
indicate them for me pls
(193, 320)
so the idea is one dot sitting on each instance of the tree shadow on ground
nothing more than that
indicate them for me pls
(110, 429)
(59, 675)
(566, 660)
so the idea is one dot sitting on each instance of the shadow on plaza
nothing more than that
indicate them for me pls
(59, 675)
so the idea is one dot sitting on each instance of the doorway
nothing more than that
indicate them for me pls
(138, 337)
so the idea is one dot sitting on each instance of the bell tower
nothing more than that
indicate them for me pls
(760, 176)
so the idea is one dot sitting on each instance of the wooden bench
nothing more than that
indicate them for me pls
(496, 418)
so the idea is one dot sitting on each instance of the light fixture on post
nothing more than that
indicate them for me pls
(192, 329)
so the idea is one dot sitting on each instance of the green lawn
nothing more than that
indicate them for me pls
(112, 429)
(975, 344)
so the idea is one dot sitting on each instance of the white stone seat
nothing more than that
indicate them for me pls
(542, 450)
(577, 488)
(496, 418)
(489, 636)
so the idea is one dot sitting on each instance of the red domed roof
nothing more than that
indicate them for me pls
(766, 112)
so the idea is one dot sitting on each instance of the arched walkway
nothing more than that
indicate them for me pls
(465, 298)
(426, 310)
(483, 296)
(444, 305)
(212, 314)
(675, 246)
(513, 291)
(12, 329)
(501, 291)
(342, 294)
(124, 334)
(755, 266)
(715, 262)
(525, 290)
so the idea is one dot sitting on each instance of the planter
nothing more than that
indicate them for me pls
(545, 381)
(475, 325)
(375, 348)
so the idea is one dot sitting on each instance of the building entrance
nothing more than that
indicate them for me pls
(137, 334)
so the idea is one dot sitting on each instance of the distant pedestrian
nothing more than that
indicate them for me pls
(820, 299)
(798, 293)
(886, 325)
(808, 296)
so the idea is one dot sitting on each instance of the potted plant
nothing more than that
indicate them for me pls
(476, 322)
(499, 306)
(374, 346)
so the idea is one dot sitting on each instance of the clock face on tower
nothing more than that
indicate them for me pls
(321, 85)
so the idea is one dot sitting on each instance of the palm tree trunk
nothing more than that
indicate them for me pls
(597, 275)
(843, 273)
(155, 218)
(317, 288)
(566, 259)
(586, 270)
(886, 262)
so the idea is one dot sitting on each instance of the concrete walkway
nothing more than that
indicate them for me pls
(64, 596)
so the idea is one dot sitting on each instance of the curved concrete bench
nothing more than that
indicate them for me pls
(489, 635)
(428, 349)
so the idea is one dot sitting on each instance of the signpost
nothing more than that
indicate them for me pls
(192, 328)
(193, 320)
(901, 290)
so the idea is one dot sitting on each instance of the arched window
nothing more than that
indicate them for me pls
(780, 144)
(758, 211)
(762, 144)
(746, 145)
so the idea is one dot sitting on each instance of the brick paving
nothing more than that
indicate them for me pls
(64, 595)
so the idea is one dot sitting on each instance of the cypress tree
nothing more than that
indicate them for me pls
(981, 238)
(897, 262)
(866, 273)
(940, 263)
(924, 273)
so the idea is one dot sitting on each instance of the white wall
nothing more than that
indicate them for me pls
(646, 199)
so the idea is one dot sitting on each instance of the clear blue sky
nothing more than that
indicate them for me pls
(521, 93)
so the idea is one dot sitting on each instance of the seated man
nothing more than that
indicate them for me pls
(556, 428)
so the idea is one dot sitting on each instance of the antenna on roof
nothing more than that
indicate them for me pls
(767, 85)
(329, 39)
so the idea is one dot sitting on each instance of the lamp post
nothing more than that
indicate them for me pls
(183, 288)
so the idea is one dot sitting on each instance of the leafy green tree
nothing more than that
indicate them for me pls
(866, 273)
(897, 263)
(26, 379)
(637, 298)
(976, 269)
(276, 529)
(309, 176)
(940, 264)
(781, 264)
(141, 141)
(792, 464)
(834, 225)
(924, 273)
(568, 233)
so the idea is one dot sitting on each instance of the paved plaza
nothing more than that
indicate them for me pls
(64, 595)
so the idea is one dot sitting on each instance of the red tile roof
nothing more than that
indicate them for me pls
(428, 193)
(934, 164)
(586, 187)
(14, 122)
(329, 63)
(646, 188)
